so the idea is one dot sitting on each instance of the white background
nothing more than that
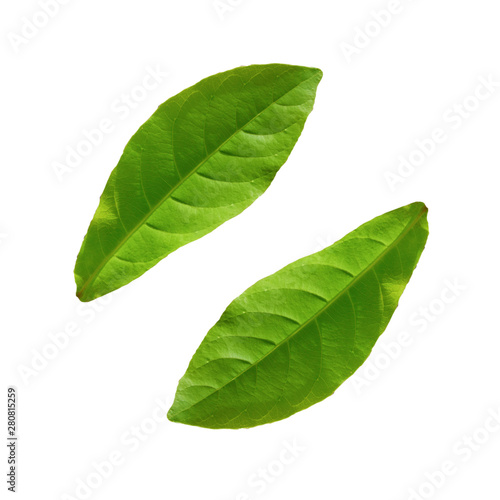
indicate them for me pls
(376, 440)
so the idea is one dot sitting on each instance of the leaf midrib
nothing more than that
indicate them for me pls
(407, 229)
(105, 261)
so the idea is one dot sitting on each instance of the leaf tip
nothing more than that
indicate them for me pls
(423, 210)
(319, 72)
(172, 415)
(86, 295)
(80, 294)
(417, 208)
(423, 206)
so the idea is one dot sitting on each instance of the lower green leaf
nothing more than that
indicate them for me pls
(293, 338)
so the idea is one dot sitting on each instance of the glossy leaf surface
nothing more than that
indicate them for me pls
(293, 338)
(203, 157)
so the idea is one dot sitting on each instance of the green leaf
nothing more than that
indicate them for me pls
(292, 338)
(203, 157)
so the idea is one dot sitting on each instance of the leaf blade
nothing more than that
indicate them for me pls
(300, 333)
(203, 157)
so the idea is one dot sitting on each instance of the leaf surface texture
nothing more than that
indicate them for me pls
(293, 338)
(203, 157)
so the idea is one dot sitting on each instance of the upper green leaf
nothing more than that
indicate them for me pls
(203, 157)
(292, 338)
